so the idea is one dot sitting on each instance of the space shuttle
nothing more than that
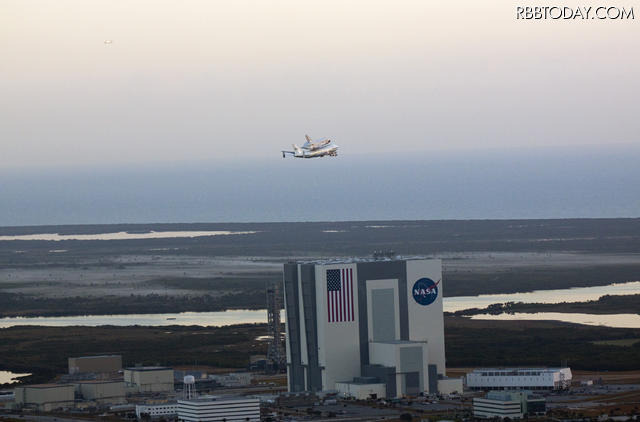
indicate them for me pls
(313, 149)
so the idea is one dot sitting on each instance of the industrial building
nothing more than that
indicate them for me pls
(44, 397)
(519, 379)
(214, 408)
(95, 364)
(354, 324)
(102, 392)
(233, 379)
(512, 405)
(162, 410)
(148, 379)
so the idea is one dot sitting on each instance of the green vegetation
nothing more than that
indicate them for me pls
(626, 342)
(527, 279)
(608, 304)
(43, 351)
(472, 343)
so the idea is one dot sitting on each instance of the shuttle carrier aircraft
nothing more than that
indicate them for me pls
(313, 149)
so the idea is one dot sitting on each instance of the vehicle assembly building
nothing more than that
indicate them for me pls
(365, 326)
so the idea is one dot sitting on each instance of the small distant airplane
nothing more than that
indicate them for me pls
(313, 149)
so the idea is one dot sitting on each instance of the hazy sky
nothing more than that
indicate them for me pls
(217, 80)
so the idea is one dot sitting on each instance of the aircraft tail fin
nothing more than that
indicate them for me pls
(308, 138)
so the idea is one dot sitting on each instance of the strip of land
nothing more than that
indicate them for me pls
(608, 304)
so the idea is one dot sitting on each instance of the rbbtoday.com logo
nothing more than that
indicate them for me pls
(574, 13)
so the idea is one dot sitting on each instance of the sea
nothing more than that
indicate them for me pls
(505, 183)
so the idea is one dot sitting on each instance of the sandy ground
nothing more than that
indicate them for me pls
(126, 275)
(131, 274)
(503, 261)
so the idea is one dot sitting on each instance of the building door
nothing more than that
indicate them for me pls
(412, 383)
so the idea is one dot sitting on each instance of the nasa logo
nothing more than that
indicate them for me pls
(425, 291)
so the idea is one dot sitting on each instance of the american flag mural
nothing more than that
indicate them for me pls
(340, 295)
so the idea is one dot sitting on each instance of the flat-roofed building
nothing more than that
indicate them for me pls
(160, 410)
(44, 397)
(148, 379)
(219, 408)
(103, 392)
(497, 406)
(508, 404)
(519, 379)
(95, 364)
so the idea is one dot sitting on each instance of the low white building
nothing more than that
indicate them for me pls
(162, 410)
(219, 408)
(362, 388)
(519, 379)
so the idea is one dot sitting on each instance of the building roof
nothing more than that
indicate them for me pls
(96, 357)
(51, 385)
(357, 260)
(149, 368)
(208, 398)
(518, 369)
(115, 381)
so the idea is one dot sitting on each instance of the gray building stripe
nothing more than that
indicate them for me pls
(379, 271)
(295, 370)
(314, 375)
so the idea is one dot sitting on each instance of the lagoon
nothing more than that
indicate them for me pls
(451, 304)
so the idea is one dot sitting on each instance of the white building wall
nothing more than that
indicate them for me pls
(487, 408)
(157, 410)
(149, 380)
(426, 322)
(338, 342)
(450, 386)
(361, 391)
(219, 409)
(526, 378)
